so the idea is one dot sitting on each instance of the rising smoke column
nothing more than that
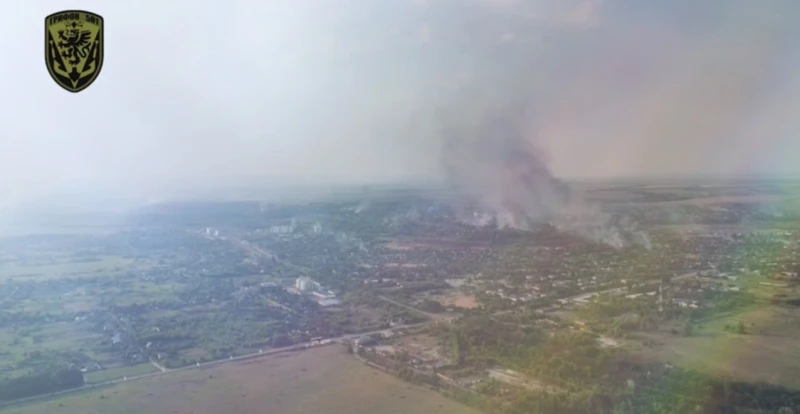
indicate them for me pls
(498, 165)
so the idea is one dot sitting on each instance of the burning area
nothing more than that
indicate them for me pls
(497, 166)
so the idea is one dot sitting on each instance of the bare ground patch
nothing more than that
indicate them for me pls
(425, 243)
(323, 380)
(459, 300)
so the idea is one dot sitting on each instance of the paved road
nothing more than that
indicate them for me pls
(428, 315)
(157, 365)
(296, 347)
(250, 248)
(258, 252)
(599, 292)
(11, 295)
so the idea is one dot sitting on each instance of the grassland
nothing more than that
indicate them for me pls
(119, 372)
(682, 194)
(767, 351)
(49, 271)
(19, 344)
(323, 380)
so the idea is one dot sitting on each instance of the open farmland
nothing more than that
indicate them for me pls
(325, 380)
(422, 291)
(90, 268)
(766, 352)
(684, 194)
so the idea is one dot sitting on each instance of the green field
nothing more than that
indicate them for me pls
(768, 350)
(66, 268)
(323, 380)
(38, 345)
(16, 230)
(119, 372)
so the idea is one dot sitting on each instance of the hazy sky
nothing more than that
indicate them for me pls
(354, 90)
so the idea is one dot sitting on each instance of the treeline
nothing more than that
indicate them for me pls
(572, 361)
(725, 302)
(586, 378)
(398, 366)
(588, 401)
(616, 316)
(679, 391)
(369, 299)
(483, 403)
(672, 391)
(784, 300)
(41, 383)
(483, 340)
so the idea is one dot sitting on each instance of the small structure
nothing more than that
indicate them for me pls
(329, 302)
(303, 283)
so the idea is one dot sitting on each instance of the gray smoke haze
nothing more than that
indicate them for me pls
(327, 92)
(497, 165)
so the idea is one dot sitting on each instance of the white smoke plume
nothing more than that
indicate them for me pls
(498, 166)
(589, 221)
(362, 206)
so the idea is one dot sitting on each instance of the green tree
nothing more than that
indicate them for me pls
(740, 328)
(456, 343)
(686, 329)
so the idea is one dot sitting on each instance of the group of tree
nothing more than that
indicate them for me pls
(740, 328)
(432, 306)
(40, 383)
(484, 340)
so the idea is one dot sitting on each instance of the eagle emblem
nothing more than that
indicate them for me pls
(74, 48)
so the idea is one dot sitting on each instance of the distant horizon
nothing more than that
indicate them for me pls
(398, 91)
(252, 189)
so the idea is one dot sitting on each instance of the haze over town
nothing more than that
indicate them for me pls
(401, 206)
(204, 94)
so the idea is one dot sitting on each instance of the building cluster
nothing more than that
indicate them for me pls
(307, 286)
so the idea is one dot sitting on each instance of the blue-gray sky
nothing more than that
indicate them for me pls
(354, 90)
